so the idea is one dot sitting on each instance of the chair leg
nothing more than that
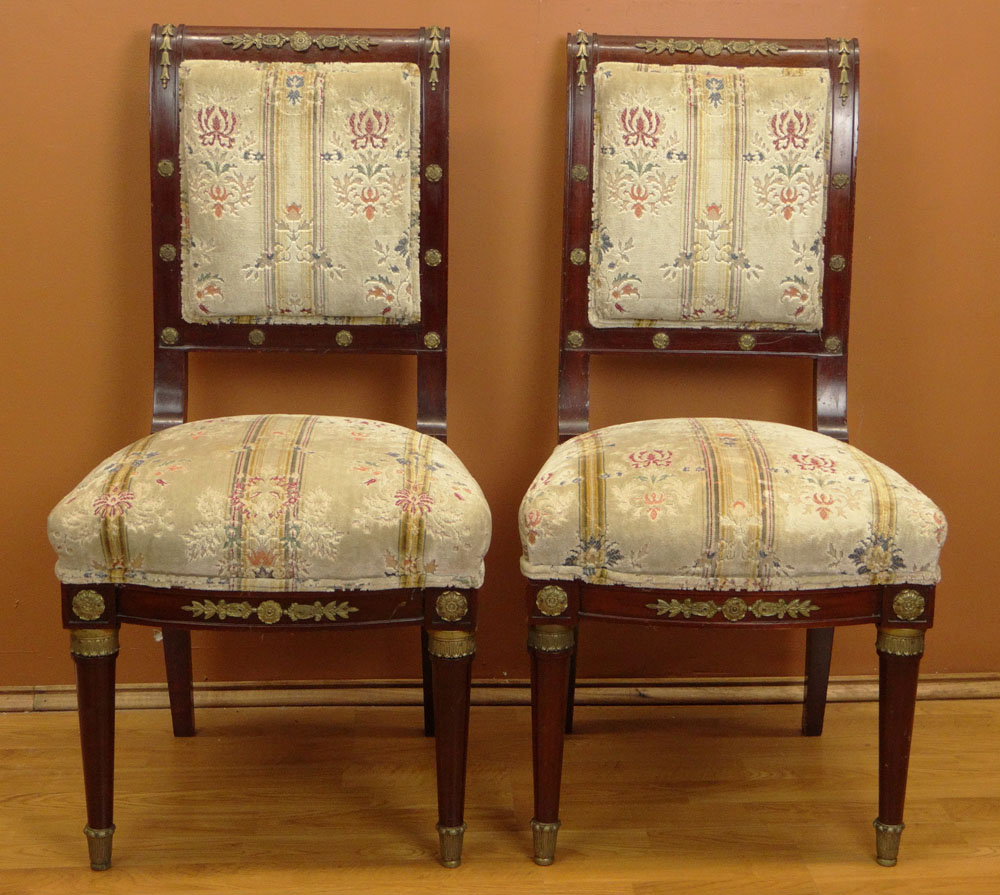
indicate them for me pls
(451, 655)
(95, 650)
(428, 679)
(819, 647)
(899, 652)
(551, 648)
(571, 689)
(177, 654)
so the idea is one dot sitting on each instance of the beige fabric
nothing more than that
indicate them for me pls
(300, 192)
(709, 196)
(723, 504)
(276, 503)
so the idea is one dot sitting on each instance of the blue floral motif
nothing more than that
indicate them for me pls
(594, 554)
(877, 555)
(714, 87)
(295, 83)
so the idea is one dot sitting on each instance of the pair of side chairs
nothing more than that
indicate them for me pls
(299, 195)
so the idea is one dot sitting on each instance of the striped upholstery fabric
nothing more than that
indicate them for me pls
(709, 196)
(276, 503)
(300, 192)
(723, 504)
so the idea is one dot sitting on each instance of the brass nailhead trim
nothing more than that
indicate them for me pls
(841, 180)
(833, 344)
(747, 341)
(432, 340)
(900, 642)
(167, 252)
(579, 172)
(838, 262)
(451, 644)
(578, 257)
(909, 604)
(165, 167)
(551, 638)
(256, 337)
(451, 606)
(93, 642)
(552, 600)
(88, 605)
(574, 338)
(169, 336)
(433, 257)
(661, 340)
(433, 173)
(343, 338)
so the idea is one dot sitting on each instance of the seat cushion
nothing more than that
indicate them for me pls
(724, 504)
(276, 503)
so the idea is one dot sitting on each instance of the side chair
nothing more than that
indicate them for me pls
(709, 209)
(299, 203)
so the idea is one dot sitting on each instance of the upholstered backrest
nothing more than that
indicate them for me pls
(300, 184)
(709, 195)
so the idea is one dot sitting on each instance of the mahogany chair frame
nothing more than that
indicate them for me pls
(94, 612)
(555, 607)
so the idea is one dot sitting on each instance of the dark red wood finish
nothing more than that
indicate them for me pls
(448, 700)
(552, 674)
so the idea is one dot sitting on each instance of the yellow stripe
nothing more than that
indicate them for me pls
(114, 532)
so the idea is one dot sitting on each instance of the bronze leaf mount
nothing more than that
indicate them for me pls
(300, 41)
(271, 611)
(734, 609)
(712, 46)
(166, 45)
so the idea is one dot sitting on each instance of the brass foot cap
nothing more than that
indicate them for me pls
(544, 835)
(887, 842)
(451, 844)
(99, 845)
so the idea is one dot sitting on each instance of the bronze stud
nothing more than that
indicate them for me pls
(747, 341)
(574, 338)
(552, 600)
(432, 340)
(256, 337)
(433, 257)
(841, 180)
(579, 172)
(578, 257)
(433, 173)
(168, 252)
(88, 605)
(833, 344)
(451, 606)
(661, 340)
(838, 262)
(344, 338)
(165, 167)
(908, 604)
(169, 336)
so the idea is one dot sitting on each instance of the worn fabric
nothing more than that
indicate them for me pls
(725, 504)
(300, 192)
(709, 201)
(276, 503)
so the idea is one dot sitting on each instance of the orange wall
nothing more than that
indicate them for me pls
(76, 359)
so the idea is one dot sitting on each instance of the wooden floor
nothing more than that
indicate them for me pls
(680, 799)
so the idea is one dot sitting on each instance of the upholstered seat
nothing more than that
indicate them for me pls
(276, 503)
(724, 504)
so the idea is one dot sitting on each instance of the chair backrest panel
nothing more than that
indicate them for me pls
(299, 186)
(709, 204)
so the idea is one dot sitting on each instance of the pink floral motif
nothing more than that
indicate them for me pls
(814, 464)
(216, 127)
(640, 126)
(652, 503)
(791, 129)
(114, 502)
(415, 502)
(823, 504)
(654, 457)
(533, 521)
(713, 212)
(370, 128)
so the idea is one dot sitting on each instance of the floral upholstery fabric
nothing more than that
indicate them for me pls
(724, 504)
(276, 503)
(709, 200)
(300, 192)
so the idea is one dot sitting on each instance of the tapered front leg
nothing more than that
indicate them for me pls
(95, 650)
(899, 652)
(551, 648)
(428, 684)
(571, 688)
(177, 654)
(451, 655)
(819, 648)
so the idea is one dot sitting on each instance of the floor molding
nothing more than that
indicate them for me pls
(677, 691)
